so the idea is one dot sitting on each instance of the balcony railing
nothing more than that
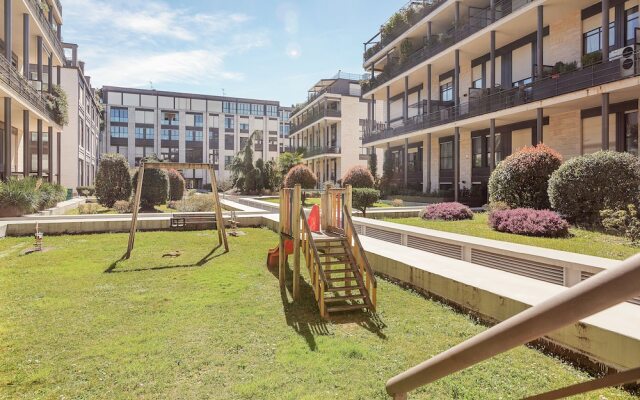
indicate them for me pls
(329, 89)
(316, 151)
(21, 85)
(314, 117)
(409, 15)
(44, 21)
(549, 87)
(59, 5)
(441, 42)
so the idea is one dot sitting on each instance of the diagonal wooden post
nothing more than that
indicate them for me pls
(297, 206)
(134, 214)
(222, 234)
(281, 221)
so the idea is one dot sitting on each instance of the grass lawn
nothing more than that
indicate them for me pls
(316, 200)
(581, 241)
(217, 326)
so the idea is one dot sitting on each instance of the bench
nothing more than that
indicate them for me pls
(193, 221)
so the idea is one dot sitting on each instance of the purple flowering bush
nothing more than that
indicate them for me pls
(529, 222)
(447, 211)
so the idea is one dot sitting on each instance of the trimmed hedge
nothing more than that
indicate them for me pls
(451, 211)
(529, 222)
(583, 186)
(177, 184)
(300, 175)
(363, 198)
(521, 179)
(155, 186)
(358, 176)
(113, 181)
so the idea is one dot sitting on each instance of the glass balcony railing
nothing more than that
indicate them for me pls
(38, 13)
(317, 151)
(314, 117)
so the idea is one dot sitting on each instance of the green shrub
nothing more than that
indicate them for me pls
(155, 185)
(585, 185)
(49, 194)
(358, 176)
(88, 208)
(86, 191)
(300, 175)
(17, 197)
(397, 203)
(195, 203)
(113, 181)
(623, 222)
(122, 206)
(521, 179)
(176, 184)
(363, 198)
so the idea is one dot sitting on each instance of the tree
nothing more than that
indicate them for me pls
(363, 198)
(300, 175)
(288, 160)
(176, 184)
(358, 176)
(373, 165)
(387, 172)
(155, 185)
(245, 175)
(113, 181)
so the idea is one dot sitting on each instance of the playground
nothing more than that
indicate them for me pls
(219, 326)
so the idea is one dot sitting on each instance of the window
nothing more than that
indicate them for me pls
(446, 155)
(632, 23)
(193, 154)
(592, 40)
(194, 136)
(144, 133)
(120, 150)
(244, 108)
(477, 84)
(170, 118)
(228, 123)
(257, 109)
(142, 152)
(244, 127)
(243, 142)
(169, 154)
(214, 156)
(119, 132)
(228, 107)
(446, 91)
(227, 162)
(476, 152)
(631, 132)
(228, 142)
(272, 111)
(119, 115)
(198, 120)
(214, 136)
(169, 134)
(414, 159)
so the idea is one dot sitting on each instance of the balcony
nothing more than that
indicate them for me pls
(314, 117)
(317, 151)
(328, 89)
(485, 102)
(409, 15)
(23, 87)
(443, 41)
(44, 22)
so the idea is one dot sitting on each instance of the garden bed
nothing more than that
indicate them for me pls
(217, 326)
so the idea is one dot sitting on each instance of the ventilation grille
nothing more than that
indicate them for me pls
(358, 229)
(433, 246)
(531, 269)
(391, 237)
(586, 275)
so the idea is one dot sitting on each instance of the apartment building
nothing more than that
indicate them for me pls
(31, 59)
(285, 128)
(329, 127)
(465, 83)
(184, 127)
(81, 136)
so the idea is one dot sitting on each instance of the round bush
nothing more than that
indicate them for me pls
(529, 222)
(521, 179)
(176, 184)
(447, 211)
(358, 177)
(113, 181)
(300, 175)
(585, 185)
(155, 186)
(17, 197)
(362, 198)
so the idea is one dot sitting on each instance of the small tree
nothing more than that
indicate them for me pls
(358, 176)
(113, 181)
(288, 160)
(155, 186)
(176, 184)
(300, 175)
(363, 198)
(387, 172)
(373, 165)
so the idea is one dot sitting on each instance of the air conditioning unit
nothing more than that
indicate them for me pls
(629, 60)
(616, 54)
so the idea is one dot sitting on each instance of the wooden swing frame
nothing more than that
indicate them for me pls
(222, 236)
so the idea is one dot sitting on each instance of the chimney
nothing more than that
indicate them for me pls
(81, 64)
(88, 78)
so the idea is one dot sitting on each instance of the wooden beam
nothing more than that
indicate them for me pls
(281, 256)
(297, 206)
(175, 165)
(222, 234)
(134, 214)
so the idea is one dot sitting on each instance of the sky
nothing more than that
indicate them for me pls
(261, 49)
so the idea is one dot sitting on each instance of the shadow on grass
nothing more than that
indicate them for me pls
(208, 257)
(304, 316)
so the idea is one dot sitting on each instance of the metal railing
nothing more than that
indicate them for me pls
(44, 21)
(59, 5)
(589, 297)
(316, 151)
(330, 89)
(552, 86)
(443, 41)
(22, 86)
(314, 117)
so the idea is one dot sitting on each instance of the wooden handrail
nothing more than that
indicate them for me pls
(589, 297)
(316, 258)
(356, 238)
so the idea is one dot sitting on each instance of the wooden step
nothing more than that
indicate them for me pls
(337, 271)
(333, 254)
(333, 262)
(342, 288)
(342, 279)
(349, 307)
(343, 298)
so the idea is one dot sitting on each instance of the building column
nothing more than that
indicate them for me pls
(492, 63)
(50, 73)
(605, 31)
(492, 144)
(388, 106)
(26, 141)
(429, 30)
(429, 83)
(39, 57)
(7, 137)
(373, 112)
(456, 16)
(50, 153)
(605, 121)
(426, 164)
(405, 163)
(456, 164)
(25, 44)
(492, 10)
(456, 79)
(40, 148)
(59, 78)
(539, 125)
(8, 29)
(405, 108)
(58, 157)
(540, 43)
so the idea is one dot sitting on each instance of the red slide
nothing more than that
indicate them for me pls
(273, 255)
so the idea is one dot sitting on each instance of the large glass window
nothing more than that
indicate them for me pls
(197, 120)
(119, 132)
(229, 107)
(257, 109)
(446, 155)
(169, 154)
(194, 136)
(498, 149)
(170, 118)
(227, 162)
(244, 127)
(169, 134)
(144, 133)
(272, 111)
(592, 40)
(228, 123)
(214, 156)
(476, 151)
(244, 108)
(631, 132)
(632, 23)
(446, 91)
(193, 154)
(119, 115)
